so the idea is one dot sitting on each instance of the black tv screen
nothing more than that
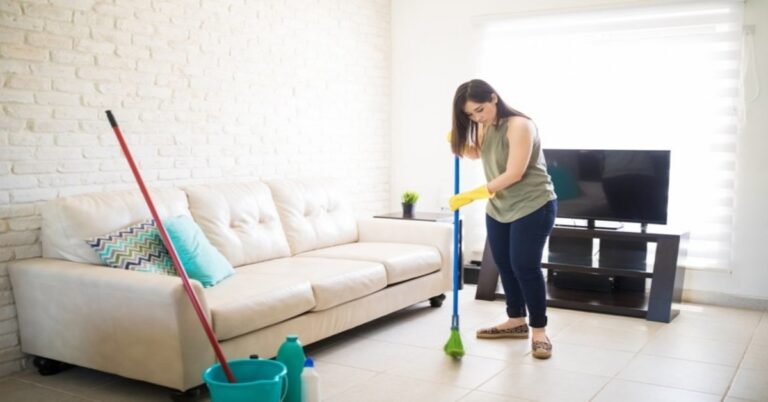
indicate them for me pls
(610, 185)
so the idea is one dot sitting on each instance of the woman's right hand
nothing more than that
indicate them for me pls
(462, 199)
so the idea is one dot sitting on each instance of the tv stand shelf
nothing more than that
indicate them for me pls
(632, 304)
(621, 268)
(598, 270)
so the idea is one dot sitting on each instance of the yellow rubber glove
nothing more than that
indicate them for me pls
(462, 199)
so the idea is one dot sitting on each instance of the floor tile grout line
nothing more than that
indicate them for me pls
(503, 395)
(629, 362)
(321, 360)
(689, 360)
(348, 366)
(477, 388)
(114, 378)
(698, 337)
(695, 334)
(670, 387)
(601, 389)
(433, 382)
(592, 346)
(741, 361)
(615, 375)
(695, 361)
(426, 348)
(48, 387)
(340, 392)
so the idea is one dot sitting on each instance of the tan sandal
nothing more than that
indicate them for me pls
(541, 349)
(520, 331)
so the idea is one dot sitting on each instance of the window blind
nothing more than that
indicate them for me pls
(662, 76)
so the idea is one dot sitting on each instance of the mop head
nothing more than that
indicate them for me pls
(454, 347)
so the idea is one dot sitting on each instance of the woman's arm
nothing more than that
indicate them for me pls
(520, 136)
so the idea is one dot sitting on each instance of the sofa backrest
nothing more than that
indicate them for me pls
(314, 213)
(240, 220)
(67, 222)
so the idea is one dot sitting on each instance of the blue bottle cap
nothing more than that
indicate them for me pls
(309, 362)
(292, 337)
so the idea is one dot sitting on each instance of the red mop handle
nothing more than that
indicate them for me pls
(169, 245)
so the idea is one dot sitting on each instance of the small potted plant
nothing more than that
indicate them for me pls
(409, 198)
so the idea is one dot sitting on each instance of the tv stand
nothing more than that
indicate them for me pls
(590, 225)
(614, 282)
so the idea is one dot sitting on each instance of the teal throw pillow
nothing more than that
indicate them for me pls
(201, 260)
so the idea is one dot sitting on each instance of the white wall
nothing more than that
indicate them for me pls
(204, 91)
(431, 47)
(750, 272)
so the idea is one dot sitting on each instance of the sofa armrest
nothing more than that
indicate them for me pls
(134, 324)
(436, 234)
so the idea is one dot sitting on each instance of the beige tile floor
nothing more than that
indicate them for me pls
(706, 354)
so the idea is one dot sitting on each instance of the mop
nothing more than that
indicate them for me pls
(172, 252)
(454, 347)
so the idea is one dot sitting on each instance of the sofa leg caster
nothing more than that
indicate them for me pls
(437, 301)
(190, 395)
(49, 366)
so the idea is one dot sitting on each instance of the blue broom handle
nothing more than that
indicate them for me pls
(456, 246)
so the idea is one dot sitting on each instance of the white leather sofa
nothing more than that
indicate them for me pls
(304, 265)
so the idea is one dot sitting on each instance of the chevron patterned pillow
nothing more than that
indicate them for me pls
(137, 248)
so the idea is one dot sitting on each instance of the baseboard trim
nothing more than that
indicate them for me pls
(724, 299)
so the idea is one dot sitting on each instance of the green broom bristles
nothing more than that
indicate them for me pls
(454, 347)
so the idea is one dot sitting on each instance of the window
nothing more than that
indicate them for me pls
(664, 76)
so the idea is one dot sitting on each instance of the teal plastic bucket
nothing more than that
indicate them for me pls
(257, 380)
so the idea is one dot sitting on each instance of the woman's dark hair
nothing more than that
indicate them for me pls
(463, 129)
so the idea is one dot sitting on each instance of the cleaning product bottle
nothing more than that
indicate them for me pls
(291, 354)
(310, 382)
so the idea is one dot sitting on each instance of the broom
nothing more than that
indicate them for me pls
(454, 347)
(172, 251)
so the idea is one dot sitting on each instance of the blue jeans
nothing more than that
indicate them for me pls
(517, 247)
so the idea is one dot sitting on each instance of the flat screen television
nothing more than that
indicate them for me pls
(610, 185)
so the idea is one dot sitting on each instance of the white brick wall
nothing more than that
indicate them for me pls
(204, 91)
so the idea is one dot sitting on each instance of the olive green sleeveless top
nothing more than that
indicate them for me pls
(527, 195)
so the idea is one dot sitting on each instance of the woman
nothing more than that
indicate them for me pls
(522, 206)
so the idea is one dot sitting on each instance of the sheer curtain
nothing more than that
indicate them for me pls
(660, 76)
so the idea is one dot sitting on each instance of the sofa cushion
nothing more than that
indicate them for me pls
(248, 300)
(334, 281)
(240, 220)
(314, 214)
(402, 261)
(67, 222)
(200, 259)
(137, 247)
